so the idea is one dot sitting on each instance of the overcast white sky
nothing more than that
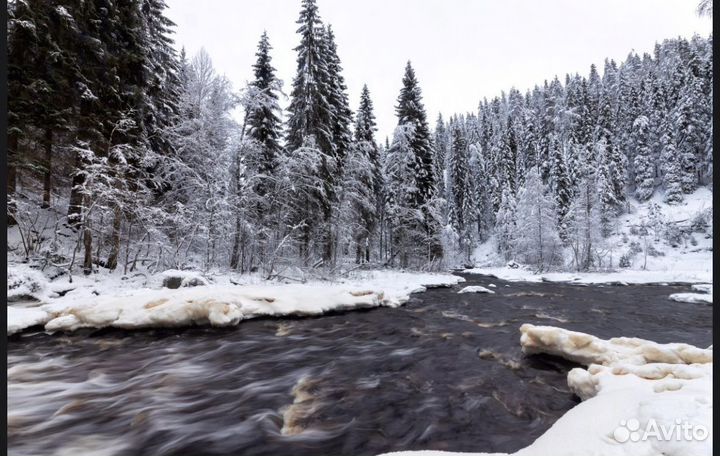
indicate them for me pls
(462, 50)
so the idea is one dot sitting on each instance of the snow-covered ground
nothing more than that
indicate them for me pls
(639, 397)
(140, 302)
(689, 261)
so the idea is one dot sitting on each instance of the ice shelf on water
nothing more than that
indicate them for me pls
(220, 304)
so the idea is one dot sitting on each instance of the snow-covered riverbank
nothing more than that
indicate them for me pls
(634, 277)
(630, 389)
(115, 304)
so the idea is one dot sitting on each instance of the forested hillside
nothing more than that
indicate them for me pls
(123, 153)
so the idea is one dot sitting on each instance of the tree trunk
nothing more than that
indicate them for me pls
(47, 163)
(87, 242)
(76, 199)
(112, 260)
(329, 240)
(12, 175)
(235, 256)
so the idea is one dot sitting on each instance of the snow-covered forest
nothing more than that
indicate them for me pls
(124, 154)
(153, 205)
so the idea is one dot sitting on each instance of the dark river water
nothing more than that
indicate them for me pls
(443, 372)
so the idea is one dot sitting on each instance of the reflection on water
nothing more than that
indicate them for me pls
(444, 372)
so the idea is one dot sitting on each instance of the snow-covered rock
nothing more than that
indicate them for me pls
(476, 289)
(24, 282)
(174, 278)
(638, 396)
(223, 305)
(704, 294)
(692, 297)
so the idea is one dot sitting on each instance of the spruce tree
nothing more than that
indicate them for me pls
(505, 224)
(412, 117)
(605, 190)
(480, 178)
(459, 176)
(163, 81)
(310, 127)
(672, 168)
(363, 181)
(411, 111)
(263, 117)
(560, 184)
(337, 98)
(310, 109)
(442, 146)
(606, 133)
(644, 169)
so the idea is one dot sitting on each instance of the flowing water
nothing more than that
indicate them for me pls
(443, 372)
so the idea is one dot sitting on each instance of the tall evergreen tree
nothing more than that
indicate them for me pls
(411, 111)
(310, 109)
(263, 117)
(644, 169)
(442, 147)
(461, 204)
(560, 184)
(606, 192)
(363, 181)
(311, 126)
(506, 224)
(412, 117)
(337, 98)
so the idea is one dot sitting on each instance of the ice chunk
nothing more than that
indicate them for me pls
(476, 289)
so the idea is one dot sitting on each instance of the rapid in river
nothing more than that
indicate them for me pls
(445, 372)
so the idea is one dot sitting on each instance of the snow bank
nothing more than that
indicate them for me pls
(223, 305)
(19, 318)
(476, 289)
(214, 305)
(397, 285)
(631, 388)
(692, 298)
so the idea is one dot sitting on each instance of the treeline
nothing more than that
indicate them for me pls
(129, 151)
